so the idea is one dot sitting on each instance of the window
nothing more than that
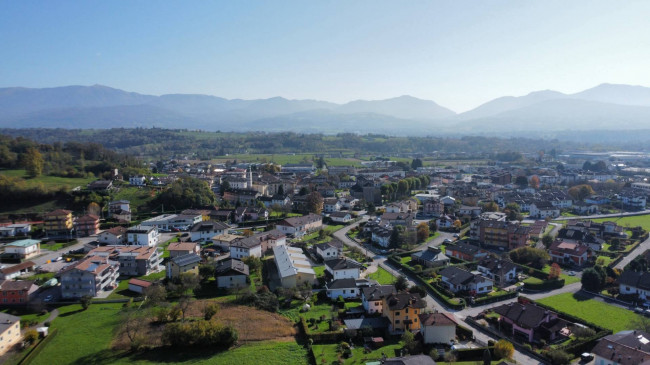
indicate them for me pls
(407, 310)
(397, 313)
(397, 321)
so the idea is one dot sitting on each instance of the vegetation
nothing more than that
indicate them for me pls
(590, 310)
(382, 276)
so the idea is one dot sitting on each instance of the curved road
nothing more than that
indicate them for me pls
(433, 303)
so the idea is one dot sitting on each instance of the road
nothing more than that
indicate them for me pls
(432, 303)
(641, 248)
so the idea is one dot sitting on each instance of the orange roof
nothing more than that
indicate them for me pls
(139, 282)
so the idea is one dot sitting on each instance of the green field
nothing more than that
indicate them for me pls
(85, 337)
(382, 276)
(567, 278)
(49, 181)
(137, 197)
(602, 314)
(634, 221)
(327, 354)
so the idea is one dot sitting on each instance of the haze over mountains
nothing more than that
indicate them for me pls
(606, 106)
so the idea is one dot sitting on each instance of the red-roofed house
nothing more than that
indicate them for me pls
(569, 253)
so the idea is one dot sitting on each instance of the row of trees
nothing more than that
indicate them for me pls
(403, 188)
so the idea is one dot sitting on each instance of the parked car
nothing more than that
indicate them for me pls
(638, 310)
(49, 298)
(456, 235)
(572, 273)
(447, 240)
(585, 356)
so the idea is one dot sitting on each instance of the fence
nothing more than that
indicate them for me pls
(31, 354)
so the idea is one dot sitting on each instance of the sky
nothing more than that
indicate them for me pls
(457, 53)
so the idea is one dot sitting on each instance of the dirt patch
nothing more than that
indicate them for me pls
(251, 324)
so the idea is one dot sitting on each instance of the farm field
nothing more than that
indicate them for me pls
(617, 319)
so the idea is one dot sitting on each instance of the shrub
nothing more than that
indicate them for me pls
(200, 334)
(558, 357)
(30, 336)
(162, 314)
(210, 311)
(175, 313)
(504, 349)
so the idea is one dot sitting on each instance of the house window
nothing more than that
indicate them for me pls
(397, 321)
(397, 313)
(407, 310)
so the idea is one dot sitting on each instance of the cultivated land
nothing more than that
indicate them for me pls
(591, 310)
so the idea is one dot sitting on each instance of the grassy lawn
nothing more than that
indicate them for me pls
(603, 260)
(639, 220)
(329, 354)
(265, 352)
(605, 315)
(57, 246)
(382, 276)
(138, 197)
(320, 270)
(82, 334)
(49, 181)
(567, 278)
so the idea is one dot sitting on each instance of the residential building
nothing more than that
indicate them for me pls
(341, 217)
(113, 237)
(293, 267)
(245, 247)
(231, 274)
(168, 222)
(138, 180)
(300, 226)
(544, 209)
(569, 253)
(503, 235)
(402, 310)
(345, 288)
(633, 282)
(431, 257)
(457, 280)
(183, 264)
(503, 272)
(331, 205)
(9, 332)
(530, 323)
(18, 292)
(142, 236)
(398, 219)
(630, 347)
(377, 324)
(206, 230)
(10, 272)
(58, 224)
(438, 328)
(465, 251)
(89, 276)
(120, 210)
(372, 297)
(100, 185)
(87, 225)
(183, 248)
(17, 229)
(330, 250)
(139, 261)
(23, 249)
(343, 268)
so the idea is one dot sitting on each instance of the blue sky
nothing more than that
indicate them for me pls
(457, 53)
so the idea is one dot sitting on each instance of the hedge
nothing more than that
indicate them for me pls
(545, 285)
(432, 290)
(475, 354)
(463, 332)
(495, 298)
(324, 337)
(38, 348)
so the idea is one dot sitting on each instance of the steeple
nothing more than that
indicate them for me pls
(250, 178)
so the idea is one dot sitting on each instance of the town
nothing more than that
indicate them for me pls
(525, 258)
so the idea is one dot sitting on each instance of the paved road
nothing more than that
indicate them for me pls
(641, 248)
(432, 303)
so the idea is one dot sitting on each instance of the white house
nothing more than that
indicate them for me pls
(372, 297)
(544, 209)
(24, 248)
(137, 180)
(331, 205)
(245, 247)
(143, 236)
(343, 268)
(456, 280)
(231, 274)
(329, 250)
(300, 226)
(113, 237)
(632, 282)
(437, 328)
(167, 222)
(341, 217)
(346, 288)
(206, 230)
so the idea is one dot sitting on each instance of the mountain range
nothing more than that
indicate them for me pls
(607, 106)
